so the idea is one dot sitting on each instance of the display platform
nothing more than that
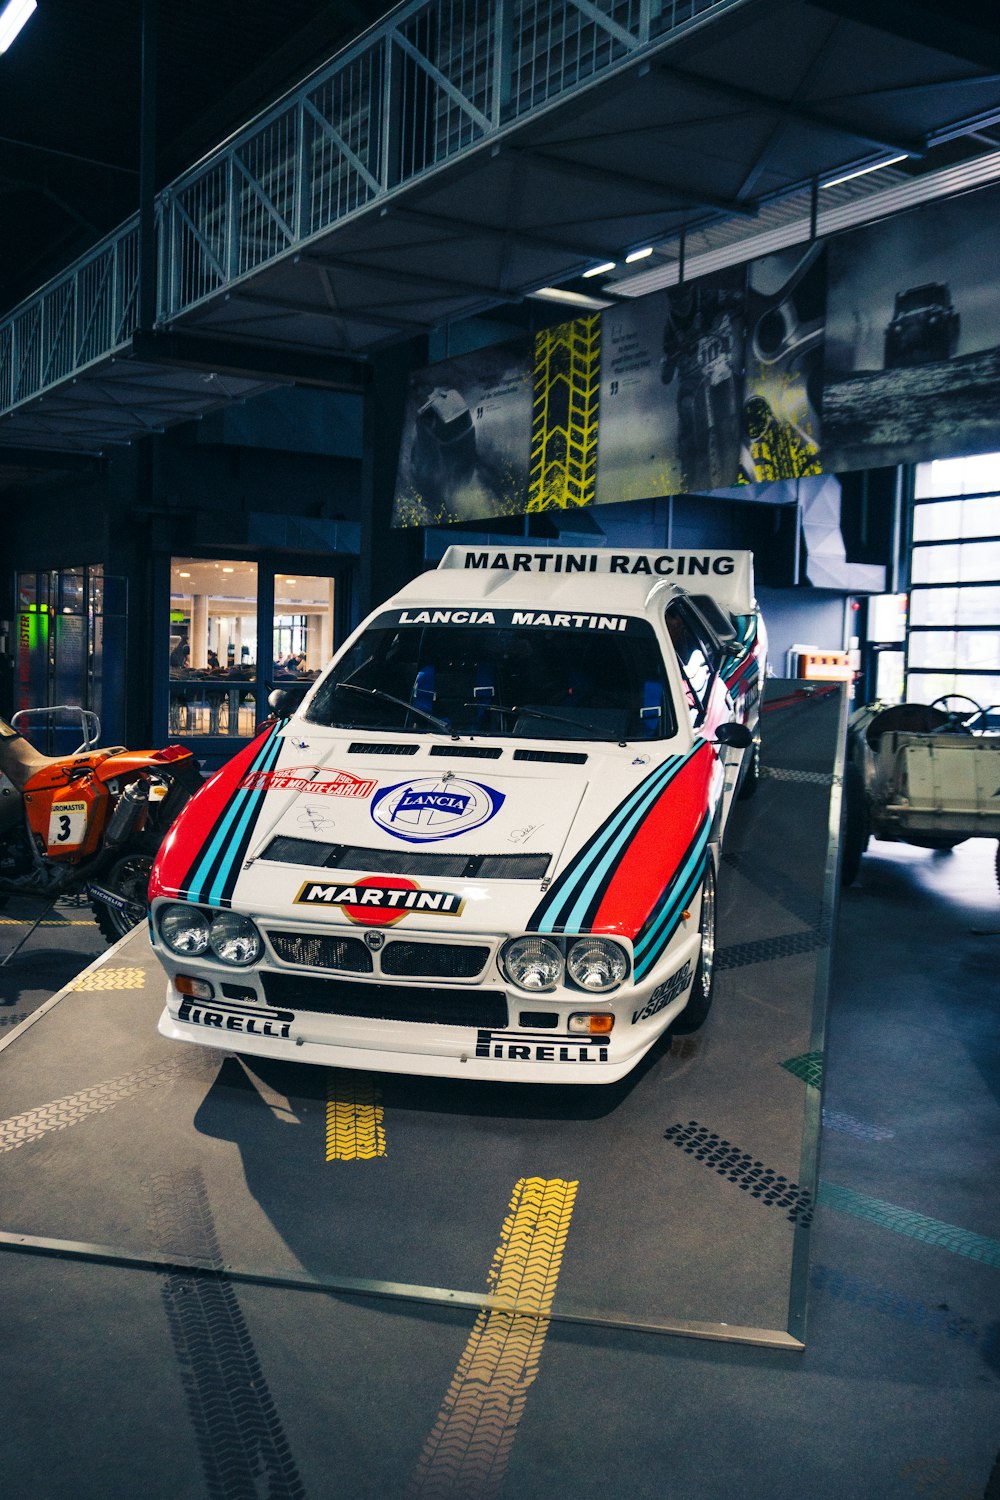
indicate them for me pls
(678, 1200)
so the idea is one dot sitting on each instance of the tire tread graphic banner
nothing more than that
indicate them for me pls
(240, 1437)
(469, 1448)
(563, 471)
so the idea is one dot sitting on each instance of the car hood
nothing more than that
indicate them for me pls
(532, 836)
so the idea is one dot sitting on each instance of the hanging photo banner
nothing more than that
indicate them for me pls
(702, 375)
(879, 347)
(912, 366)
(466, 439)
(637, 451)
(783, 365)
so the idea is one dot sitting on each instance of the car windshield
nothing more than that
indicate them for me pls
(921, 297)
(605, 682)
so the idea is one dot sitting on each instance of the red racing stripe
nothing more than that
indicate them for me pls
(657, 848)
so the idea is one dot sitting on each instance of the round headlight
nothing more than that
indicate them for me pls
(597, 965)
(184, 929)
(533, 963)
(234, 939)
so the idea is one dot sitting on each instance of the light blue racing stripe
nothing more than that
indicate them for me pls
(631, 811)
(672, 913)
(201, 872)
(247, 813)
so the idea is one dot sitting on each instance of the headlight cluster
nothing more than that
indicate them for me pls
(188, 931)
(594, 964)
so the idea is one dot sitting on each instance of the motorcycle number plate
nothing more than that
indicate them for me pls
(67, 825)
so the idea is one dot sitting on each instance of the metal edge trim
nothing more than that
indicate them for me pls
(67, 989)
(153, 1260)
(798, 1294)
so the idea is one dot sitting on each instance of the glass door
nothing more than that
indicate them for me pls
(70, 657)
(237, 629)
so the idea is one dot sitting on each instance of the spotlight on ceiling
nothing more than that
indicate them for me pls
(607, 265)
(12, 17)
(639, 254)
(875, 166)
(570, 299)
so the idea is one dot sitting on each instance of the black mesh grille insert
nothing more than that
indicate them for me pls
(316, 952)
(560, 757)
(387, 1002)
(292, 851)
(435, 960)
(288, 851)
(513, 866)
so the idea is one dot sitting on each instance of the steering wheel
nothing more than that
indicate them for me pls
(957, 721)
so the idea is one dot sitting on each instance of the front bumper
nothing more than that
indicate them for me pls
(516, 1052)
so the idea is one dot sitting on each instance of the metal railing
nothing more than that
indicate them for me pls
(429, 82)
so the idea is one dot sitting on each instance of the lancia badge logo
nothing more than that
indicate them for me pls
(374, 940)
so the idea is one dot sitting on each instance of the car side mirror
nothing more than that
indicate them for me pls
(285, 700)
(736, 735)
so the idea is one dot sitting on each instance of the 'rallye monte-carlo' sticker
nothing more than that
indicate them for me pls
(312, 779)
(381, 899)
(429, 808)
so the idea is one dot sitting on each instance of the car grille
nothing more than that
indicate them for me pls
(316, 952)
(387, 1002)
(435, 960)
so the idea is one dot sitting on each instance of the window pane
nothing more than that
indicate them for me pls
(303, 625)
(889, 676)
(971, 650)
(924, 687)
(967, 606)
(948, 520)
(887, 617)
(213, 646)
(958, 476)
(961, 562)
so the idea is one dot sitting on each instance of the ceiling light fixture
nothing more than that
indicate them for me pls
(875, 166)
(570, 299)
(13, 16)
(639, 254)
(606, 265)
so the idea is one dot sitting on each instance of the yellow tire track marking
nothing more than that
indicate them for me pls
(565, 410)
(55, 922)
(467, 1452)
(353, 1118)
(111, 979)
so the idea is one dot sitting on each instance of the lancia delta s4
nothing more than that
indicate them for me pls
(485, 843)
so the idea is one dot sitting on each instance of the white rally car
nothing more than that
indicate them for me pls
(485, 845)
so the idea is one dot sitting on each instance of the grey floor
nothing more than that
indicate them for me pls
(129, 1382)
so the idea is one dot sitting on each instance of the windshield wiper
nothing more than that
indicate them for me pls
(537, 713)
(384, 697)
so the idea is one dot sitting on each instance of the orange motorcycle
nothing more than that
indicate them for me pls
(92, 822)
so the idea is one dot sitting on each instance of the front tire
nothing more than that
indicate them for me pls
(128, 878)
(855, 829)
(695, 1013)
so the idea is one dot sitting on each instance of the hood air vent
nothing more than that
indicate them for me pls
(481, 752)
(292, 851)
(557, 757)
(362, 747)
